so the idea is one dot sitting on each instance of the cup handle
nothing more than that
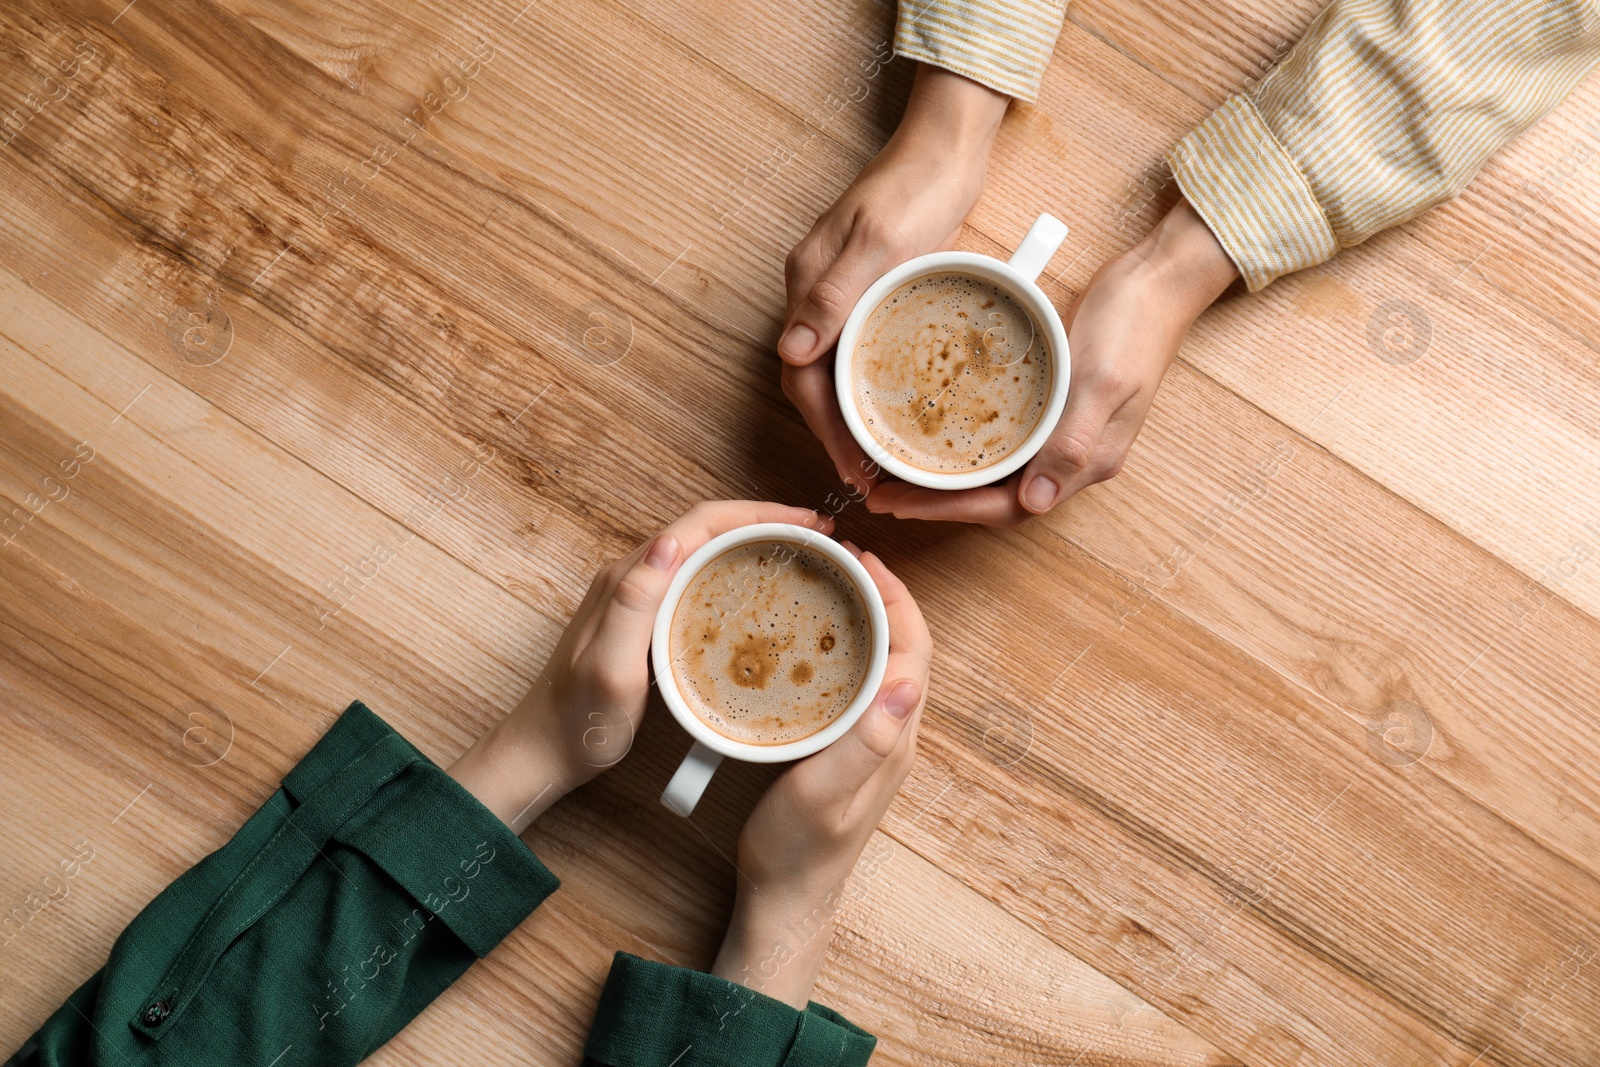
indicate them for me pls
(1036, 249)
(691, 779)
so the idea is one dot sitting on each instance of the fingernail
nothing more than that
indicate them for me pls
(663, 552)
(1040, 493)
(797, 342)
(851, 547)
(902, 698)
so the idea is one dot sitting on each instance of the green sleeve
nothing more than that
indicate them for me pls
(362, 888)
(655, 1015)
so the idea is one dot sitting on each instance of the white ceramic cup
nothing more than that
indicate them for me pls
(711, 747)
(1015, 277)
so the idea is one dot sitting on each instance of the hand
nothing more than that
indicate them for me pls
(801, 842)
(910, 200)
(1124, 329)
(581, 715)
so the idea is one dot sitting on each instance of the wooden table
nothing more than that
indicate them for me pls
(341, 342)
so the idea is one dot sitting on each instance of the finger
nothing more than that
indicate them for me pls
(875, 796)
(691, 530)
(586, 617)
(709, 519)
(910, 652)
(839, 771)
(1075, 457)
(811, 257)
(814, 323)
(910, 660)
(988, 505)
(621, 639)
(908, 631)
(811, 390)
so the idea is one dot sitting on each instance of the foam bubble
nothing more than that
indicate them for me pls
(951, 373)
(770, 642)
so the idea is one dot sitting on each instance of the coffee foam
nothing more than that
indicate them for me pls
(951, 373)
(770, 642)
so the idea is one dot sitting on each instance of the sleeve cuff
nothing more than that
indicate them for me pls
(447, 850)
(1247, 187)
(1005, 46)
(651, 1013)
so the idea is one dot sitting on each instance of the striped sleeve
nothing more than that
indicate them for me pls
(1382, 110)
(1004, 44)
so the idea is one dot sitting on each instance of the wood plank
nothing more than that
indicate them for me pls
(1507, 334)
(1525, 494)
(123, 674)
(404, 354)
(1449, 638)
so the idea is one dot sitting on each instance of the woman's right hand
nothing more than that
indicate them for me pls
(803, 838)
(1125, 329)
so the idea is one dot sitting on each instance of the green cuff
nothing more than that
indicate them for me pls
(362, 785)
(654, 1015)
(1248, 188)
(430, 835)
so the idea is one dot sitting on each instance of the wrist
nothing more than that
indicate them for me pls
(952, 115)
(776, 943)
(1185, 258)
(515, 775)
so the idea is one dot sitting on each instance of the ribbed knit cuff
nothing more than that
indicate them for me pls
(1245, 184)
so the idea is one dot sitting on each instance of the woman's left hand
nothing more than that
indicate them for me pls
(581, 715)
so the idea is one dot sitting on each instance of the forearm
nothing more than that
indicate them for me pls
(951, 113)
(1186, 261)
(776, 947)
(1381, 111)
(358, 892)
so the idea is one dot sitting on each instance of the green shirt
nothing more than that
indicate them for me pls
(362, 888)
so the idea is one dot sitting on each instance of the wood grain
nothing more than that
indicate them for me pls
(1273, 751)
(93, 652)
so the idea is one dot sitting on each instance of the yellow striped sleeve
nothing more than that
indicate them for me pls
(1005, 44)
(1382, 110)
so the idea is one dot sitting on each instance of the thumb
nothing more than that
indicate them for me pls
(628, 619)
(1069, 460)
(850, 762)
(818, 317)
